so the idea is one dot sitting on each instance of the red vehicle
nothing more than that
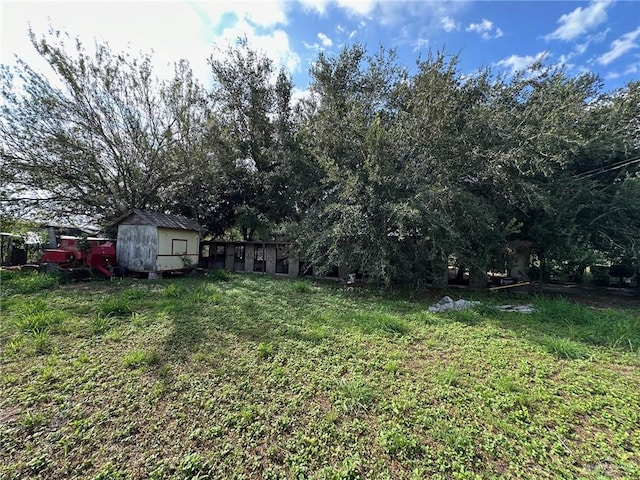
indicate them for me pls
(91, 253)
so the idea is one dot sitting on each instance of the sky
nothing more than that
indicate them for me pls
(600, 36)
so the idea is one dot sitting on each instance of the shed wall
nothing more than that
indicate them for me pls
(175, 244)
(136, 247)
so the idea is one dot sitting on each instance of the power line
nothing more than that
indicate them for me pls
(609, 168)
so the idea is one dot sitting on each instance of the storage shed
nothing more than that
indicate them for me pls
(154, 242)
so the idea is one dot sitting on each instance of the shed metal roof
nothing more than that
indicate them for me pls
(162, 220)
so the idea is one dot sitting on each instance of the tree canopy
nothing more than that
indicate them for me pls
(376, 168)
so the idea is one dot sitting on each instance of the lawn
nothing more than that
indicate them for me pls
(245, 376)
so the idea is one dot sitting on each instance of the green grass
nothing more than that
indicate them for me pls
(261, 378)
(13, 282)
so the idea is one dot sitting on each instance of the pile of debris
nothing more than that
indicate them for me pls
(447, 303)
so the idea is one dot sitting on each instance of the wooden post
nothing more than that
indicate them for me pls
(270, 259)
(229, 257)
(249, 256)
(294, 265)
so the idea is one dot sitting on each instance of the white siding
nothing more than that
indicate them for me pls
(173, 245)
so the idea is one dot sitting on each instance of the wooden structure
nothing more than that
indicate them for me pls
(273, 258)
(154, 242)
(260, 257)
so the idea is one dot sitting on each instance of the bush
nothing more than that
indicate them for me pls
(600, 275)
(620, 271)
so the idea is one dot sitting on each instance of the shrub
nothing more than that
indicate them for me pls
(621, 271)
(42, 342)
(136, 293)
(398, 443)
(600, 275)
(100, 324)
(174, 291)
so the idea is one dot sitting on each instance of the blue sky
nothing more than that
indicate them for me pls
(598, 36)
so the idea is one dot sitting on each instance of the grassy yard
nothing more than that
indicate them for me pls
(252, 377)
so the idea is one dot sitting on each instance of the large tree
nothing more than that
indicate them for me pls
(98, 134)
(404, 184)
(253, 146)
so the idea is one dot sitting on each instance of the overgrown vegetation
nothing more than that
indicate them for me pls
(13, 282)
(256, 377)
(380, 167)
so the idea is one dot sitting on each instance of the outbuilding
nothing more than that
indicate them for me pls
(155, 242)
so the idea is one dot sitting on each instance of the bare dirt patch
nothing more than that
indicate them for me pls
(596, 297)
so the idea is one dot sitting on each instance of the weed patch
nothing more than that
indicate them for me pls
(302, 286)
(39, 321)
(22, 282)
(115, 307)
(218, 275)
(354, 396)
(564, 348)
(141, 358)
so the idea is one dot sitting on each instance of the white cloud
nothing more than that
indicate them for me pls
(173, 32)
(580, 48)
(343, 31)
(325, 40)
(274, 44)
(633, 68)
(484, 29)
(580, 21)
(448, 24)
(564, 60)
(319, 6)
(620, 46)
(263, 13)
(358, 7)
(516, 63)
(630, 70)
(420, 44)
